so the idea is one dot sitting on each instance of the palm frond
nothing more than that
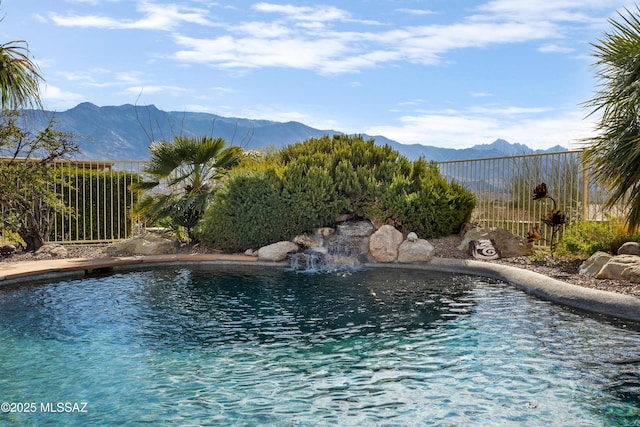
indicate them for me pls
(614, 153)
(19, 76)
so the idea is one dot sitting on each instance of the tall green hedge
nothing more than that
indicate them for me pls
(308, 185)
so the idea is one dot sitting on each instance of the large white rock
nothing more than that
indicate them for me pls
(594, 264)
(308, 241)
(148, 244)
(602, 265)
(418, 250)
(629, 248)
(276, 252)
(51, 250)
(384, 243)
(355, 228)
(621, 267)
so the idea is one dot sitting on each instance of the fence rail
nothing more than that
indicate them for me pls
(99, 197)
(504, 187)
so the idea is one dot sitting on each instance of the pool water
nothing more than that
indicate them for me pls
(375, 347)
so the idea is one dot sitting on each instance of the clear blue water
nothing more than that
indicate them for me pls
(377, 347)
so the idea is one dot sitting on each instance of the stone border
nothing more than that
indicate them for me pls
(592, 300)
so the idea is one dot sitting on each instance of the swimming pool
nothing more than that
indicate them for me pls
(243, 346)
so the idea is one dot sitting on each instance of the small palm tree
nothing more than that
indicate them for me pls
(184, 174)
(19, 76)
(614, 153)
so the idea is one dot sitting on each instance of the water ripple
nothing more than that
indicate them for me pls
(185, 347)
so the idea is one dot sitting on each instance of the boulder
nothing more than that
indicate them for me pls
(602, 265)
(148, 244)
(594, 264)
(51, 251)
(325, 231)
(308, 241)
(509, 245)
(621, 267)
(384, 243)
(277, 252)
(8, 250)
(629, 248)
(355, 229)
(468, 226)
(418, 250)
(412, 237)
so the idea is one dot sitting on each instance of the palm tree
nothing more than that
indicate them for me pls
(183, 176)
(19, 77)
(614, 153)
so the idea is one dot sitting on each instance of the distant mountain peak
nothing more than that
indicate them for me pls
(124, 133)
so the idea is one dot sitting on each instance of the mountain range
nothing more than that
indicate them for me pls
(125, 132)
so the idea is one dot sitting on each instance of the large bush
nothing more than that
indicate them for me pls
(586, 238)
(307, 185)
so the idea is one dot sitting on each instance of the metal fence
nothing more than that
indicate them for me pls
(99, 197)
(504, 187)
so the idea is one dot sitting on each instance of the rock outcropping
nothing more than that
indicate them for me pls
(350, 244)
(277, 252)
(148, 244)
(384, 244)
(624, 266)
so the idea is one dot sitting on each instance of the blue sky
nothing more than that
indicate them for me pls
(448, 73)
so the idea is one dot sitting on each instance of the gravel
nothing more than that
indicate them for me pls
(565, 269)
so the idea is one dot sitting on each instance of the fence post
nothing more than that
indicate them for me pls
(585, 188)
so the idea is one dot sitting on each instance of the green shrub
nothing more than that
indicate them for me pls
(586, 238)
(425, 202)
(248, 213)
(307, 185)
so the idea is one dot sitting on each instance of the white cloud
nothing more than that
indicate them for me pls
(229, 52)
(311, 37)
(462, 129)
(55, 98)
(480, 94)
(332, 52)
(152, 89)
(164, 17)
(508, 111)
(419, 12)
(304, 13)
(554, 48)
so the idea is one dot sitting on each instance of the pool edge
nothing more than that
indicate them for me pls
(592, 300)
(588, 299)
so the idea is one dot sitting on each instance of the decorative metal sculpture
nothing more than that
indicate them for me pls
(554, 219)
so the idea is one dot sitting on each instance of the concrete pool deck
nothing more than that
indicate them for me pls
(592, 300)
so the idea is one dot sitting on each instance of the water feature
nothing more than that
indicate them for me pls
(376, 347)
(342, 249)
